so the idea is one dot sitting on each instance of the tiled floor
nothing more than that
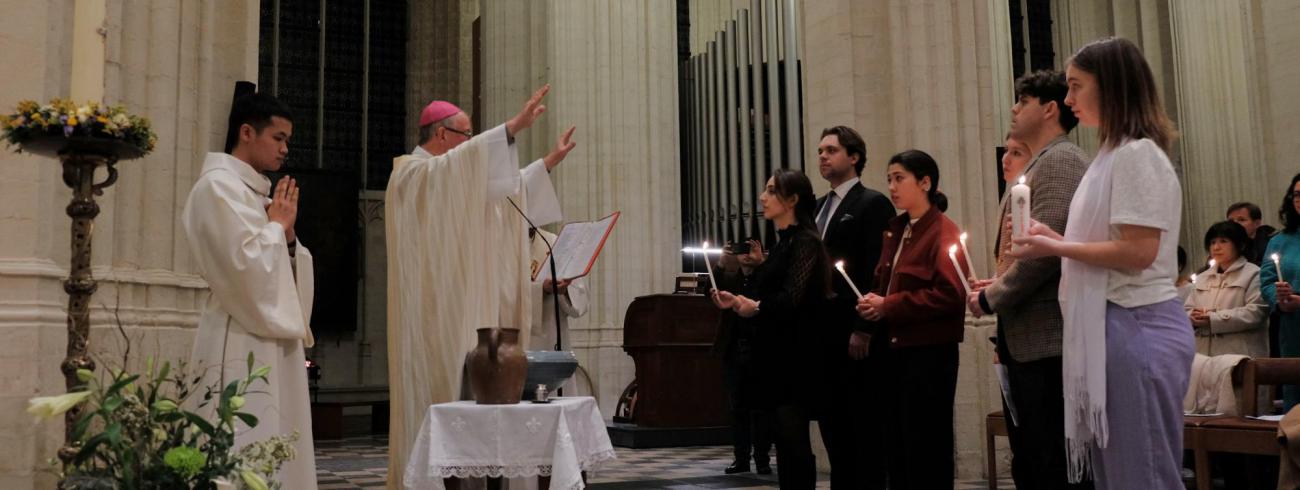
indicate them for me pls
(361, 462)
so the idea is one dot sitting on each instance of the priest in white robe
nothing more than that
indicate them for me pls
(457, 255)
(242, 239)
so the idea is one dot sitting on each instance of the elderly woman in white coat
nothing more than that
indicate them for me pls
(1226, 308)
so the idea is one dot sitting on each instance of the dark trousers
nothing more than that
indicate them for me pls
(750, 427)
(1038, 437)
(852, 425)
(922, 383)
(796, 465)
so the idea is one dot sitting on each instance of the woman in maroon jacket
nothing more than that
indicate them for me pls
(916, 315)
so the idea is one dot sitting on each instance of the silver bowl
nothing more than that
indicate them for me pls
(548, 367)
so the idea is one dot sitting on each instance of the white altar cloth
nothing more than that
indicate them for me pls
(465, 440)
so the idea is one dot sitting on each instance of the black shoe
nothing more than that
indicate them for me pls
(763, 468)
(736, 468)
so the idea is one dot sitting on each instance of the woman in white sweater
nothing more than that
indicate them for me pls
(1226, 308)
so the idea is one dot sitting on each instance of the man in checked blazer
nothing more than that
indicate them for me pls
(852, 220)
(1023, 292)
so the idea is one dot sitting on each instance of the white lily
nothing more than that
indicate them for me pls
(49, 406)
(253, 480)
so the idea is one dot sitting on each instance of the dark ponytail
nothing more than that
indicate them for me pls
(921, 165)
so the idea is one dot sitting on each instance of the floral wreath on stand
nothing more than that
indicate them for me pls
(46, 129)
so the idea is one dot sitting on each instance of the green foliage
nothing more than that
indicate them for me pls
(136, 434)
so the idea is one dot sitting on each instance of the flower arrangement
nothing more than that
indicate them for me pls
(134, 433)
(62, 118)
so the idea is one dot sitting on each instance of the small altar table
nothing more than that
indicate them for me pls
(561, 439)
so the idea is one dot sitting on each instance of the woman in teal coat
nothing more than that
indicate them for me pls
(1279, 294)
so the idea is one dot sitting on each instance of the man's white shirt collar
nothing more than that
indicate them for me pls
(844, 188)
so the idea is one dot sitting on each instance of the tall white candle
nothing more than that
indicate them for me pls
(1020, 207)
(952, 255)
(88, 51)
(839, 265)
(1277, 262)
(966, 253)
(708, 266)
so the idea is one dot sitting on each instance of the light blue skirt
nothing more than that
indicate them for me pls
(1149, 352)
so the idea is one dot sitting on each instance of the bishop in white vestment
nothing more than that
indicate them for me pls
(457, 256)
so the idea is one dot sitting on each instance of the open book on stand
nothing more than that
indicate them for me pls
(577, 247)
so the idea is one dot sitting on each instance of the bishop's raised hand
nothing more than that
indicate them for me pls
(563, 146)
(531, 111)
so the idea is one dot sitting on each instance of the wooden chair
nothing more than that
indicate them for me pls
(994, 425)
(1240, 434)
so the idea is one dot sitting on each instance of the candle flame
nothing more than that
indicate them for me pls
(839, 264)
(963, 237)
(1276, 258)
(1193, 278)
(1213, 263)
(952, 250)
(1022, 179)
(705, 245)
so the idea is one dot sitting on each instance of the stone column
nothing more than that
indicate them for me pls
(175, 63)
(1145, 22)
(440, 55)
(613, 70)
(1221, 140)
(1276, 41)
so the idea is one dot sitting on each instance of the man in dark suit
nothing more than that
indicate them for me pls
(1024, 292)
(852, 220)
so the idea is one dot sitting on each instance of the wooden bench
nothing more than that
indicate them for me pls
(327, 417)
(1240, 434)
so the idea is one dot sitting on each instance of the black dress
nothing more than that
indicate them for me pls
(792, 288)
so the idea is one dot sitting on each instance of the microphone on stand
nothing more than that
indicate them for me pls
(554, 278)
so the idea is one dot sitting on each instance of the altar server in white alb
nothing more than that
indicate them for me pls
(572, 297)
(240, 232)
(458, 257)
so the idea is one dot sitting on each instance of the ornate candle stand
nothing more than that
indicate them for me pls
(81, 157)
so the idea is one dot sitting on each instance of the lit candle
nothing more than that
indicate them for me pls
(1277, 262)
(952, 254)
(966, 253)
(1193, 278)
(708, 266)
(1020, 207)
(839, 265)
(1212, 264)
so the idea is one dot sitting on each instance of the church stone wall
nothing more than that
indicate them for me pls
(176, 63)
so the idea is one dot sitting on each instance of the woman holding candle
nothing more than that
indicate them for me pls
(918, 305)
(1226, 307)
(1276, 286)
(1128, 345)
(790, 289)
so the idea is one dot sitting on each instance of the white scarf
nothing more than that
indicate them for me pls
(1083, 306)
